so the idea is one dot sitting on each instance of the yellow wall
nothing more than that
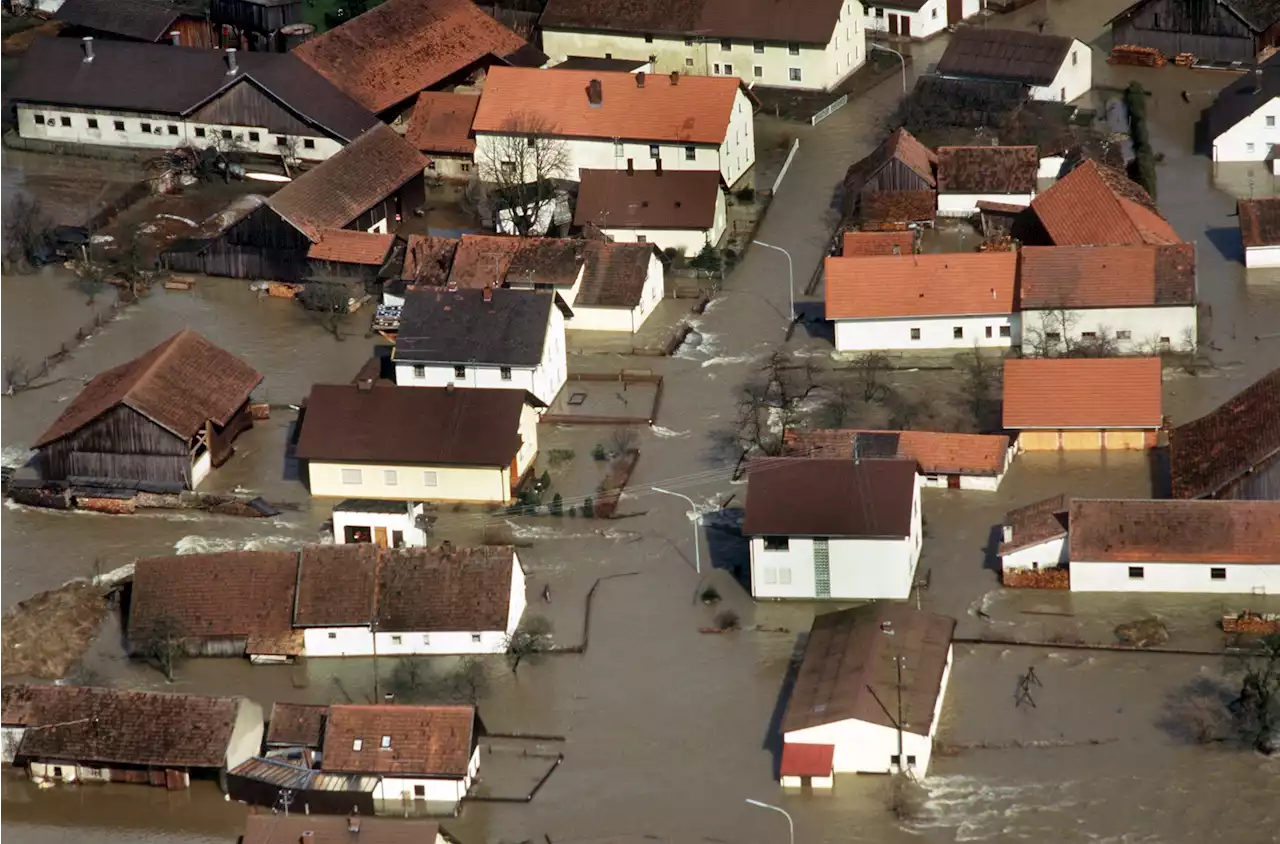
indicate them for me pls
(1081, 441)
(452, 483)
(1126, 439)
(1038, 441)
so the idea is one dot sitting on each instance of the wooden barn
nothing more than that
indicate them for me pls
(1232, 452)
(263, 17)
(165, 418)
(1214, 31)
(895, 183)
(152, 21)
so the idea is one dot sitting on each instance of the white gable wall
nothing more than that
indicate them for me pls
(1252, 138)
(1047, 554)
(1240, 579)
(1074, 77)
(434, 789)
(624, 319)
(966, 204)
(936, 332)
(1262, 256)
(411, 482)
(685, 241)
(414, 536)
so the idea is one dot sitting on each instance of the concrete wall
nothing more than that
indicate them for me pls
(1134, 329)
(624, 319)
(1252, 138)
(414, 536)
(452, 483)
(966, 204)
(1074, 78)
(1241, 579)
(686, 241)
(1047, 554)
(936, 332)
(1262, 256)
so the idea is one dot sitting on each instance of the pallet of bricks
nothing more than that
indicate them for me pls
(1258, 624)
(1049, 578)
(1185, 59)
(1131, 54)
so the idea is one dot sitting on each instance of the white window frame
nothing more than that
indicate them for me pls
(430, 477)
(390, 477)
(352, 477)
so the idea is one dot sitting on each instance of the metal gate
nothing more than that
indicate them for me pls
(821, 569)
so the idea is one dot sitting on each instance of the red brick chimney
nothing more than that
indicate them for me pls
(487, 293)
(595, 93)
(640, 79)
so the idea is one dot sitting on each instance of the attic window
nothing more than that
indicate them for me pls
(356, 744)
(822, 707)
(386, 741)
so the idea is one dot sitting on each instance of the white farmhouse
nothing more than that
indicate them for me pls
(868, 696)
(1124, 299)
(833, 529)
(387, 524)
(1241, 123)
(683, 211)
(487, 339)
(922, 302)
(134, 95)
(1053, 67)
(918, 18)
(1034, 538)
(809, 44)
(422, 755)
(1260, 231)
(969, 175)
(366, 601)
(947, 461)
(621, 285)
(609, 120)
(376, 441)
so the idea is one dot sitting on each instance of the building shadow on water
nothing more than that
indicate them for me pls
(991, 551)
(1226, 239)
(773, 732)
(811, 320)
(727, 548)
(1161, 472)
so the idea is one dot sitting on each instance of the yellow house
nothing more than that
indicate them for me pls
(372, 440)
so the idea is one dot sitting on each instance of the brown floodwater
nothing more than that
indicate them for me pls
(668, 731)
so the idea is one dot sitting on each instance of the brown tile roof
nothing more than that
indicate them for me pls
(441, 123)
(817, 497)
(1096, 205)
(1209, 453)
(332, 829)
(180, 385)
(484, 259)
(426, 740)
(1259, 221)
(863, 244)
(898, 206)
(230, 594)
(345, 246)
(402, 47)
(1082, 393)
(990, 53)
(936, 452)
(951, 284)
(344, 186)
(132, 728)
(427, 259)
(695, 111)
(411, 425)
(900, 145)
(1137, 531)
(646, 199)
(1037, 522)
(425, 590)
(615, 274)
(1107, 276)
(296, 724)
(849, 669)
(336, 584)
(988, 169)
(806, 21)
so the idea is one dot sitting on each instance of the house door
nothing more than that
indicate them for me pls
(380, 537)
(906, 25)
(821, 569)
(955, 11)
(953, 481)
(893, 24)
(515, 476)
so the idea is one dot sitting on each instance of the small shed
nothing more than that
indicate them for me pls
(900, 167)
(1260, 231)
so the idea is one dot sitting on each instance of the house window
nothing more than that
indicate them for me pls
(793, 49)
(39, 119)
(794, 73)
(728, 70)
(307, 143)
(508, 167)
(776, 543)
(654, 151)
(475, 638)
(1137, 573)
(199, 129)
(426, 638)
(726, 44)
(119, 124)
(226, 134)
(1164, 341)
(352, 476)
(757, 71)
(1248, 147)
(690, 154)
(642, 238)
(958, 332)
(1123, 335)
(770, 575)
(784, 576)
(390, 477)
(1217, 574)
(911, 761)
(459, 372)
(356, 744)
(281, 141)
(757, 47)
(531, 142)
(879, 13)
(1075, 60)
(1088, 335)
(431, 165)
(1155, 21)
(504, 372)
(1053, 336)
(466, 167)
(395, 640)
(419, 372)
(688, 62)
(688, 42)
(716, 67)
(254, 137)
(988, 332)
(648, 39)
(397, 539)
(386, 740)
(92, 123)
(419, 791)
(935, 14)
(895, 760)
(1271, 121)
(915, 334)
(57, 769)
(430, 478)
(173, 129)
(1006, 331)
(333, 634)
(145, 127)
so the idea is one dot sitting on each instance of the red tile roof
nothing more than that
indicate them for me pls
(393, 51)
(296, 724)
(1107, 276)
(426, 740)
(936, 452)
(1096, 205)
(1164, 531)
(615, 274)
(806, 760)
(1209, 453)
(1083, 393)
(878, 243)
(441, 123)
(952, 284)
(345, 246)
(1259, 221)
(1034, 523)
(695, 111)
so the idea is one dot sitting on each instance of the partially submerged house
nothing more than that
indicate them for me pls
(1052, 67)
(950, 461)
(1260, 231)
(928, 301)
(1074, 404)
(440, 127)
(833, 529)
(894, 185)
(1098, 205)
(682, 210)
(295, 725)
(1232, 452)
(87, 734)
(1034, 537)
(165, 418)
(387, 523)
(1241, 123)
(974, 174)
(1216, 32)
(417, 443)
(148, 21)
(918, 18)
(868, 695)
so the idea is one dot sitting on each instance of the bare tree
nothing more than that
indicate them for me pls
(771, 402)
(837, 409)
(532, 637)
(1096, 344)
(331, 301)
(1257, 708)
(160, 643)
(1050, 333)
(870, 369)
(518, 168)
(17, 375)
(980, 373)
(625, 438)
(413, 680)
(28, 234)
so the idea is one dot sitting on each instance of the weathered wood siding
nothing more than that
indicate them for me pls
(222, 438)
(245, 104)
(261, 246)
(895, 175)
(255, 17)
(1262, 484)
(1202, 27)
(122, 444)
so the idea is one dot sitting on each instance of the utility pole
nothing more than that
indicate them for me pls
(897, 661)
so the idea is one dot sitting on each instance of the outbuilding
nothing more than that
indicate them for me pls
(894, 185)
(1053, 67)
(1033, 539)
(974, 174)
(1260, 231)
(1232, 451)
(918, 18)
(1221, 32)
(1241, 123)
(682, 210)
(950, 461)
(440, 127)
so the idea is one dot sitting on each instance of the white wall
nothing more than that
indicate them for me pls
(624, 319)
(435, 789)
(854, 335)
(452, 483)
(1144, 325)
(200, 467)
(1262, 256)
(1047, 554)
(133, 137)
(450, 166)
(929, 19)
(1241, 579)
(414, 536)
(966, 204)
(1050, 167)
(1252, 138)
(1074, 78)
(246, 735)
(865, 748)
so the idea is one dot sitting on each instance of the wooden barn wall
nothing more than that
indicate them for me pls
(255, 17)
(894, 175)
(408, 198)
(1202, 27)
(221, 439)
(1262, 484)
(194, 32)
(261, 246)
(120, 444)
(245, 104)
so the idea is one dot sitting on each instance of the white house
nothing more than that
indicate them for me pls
(1053, 67)
(607, 121)
(922, 302)
(918, 18)
(1241, 123)
(1034, 537)
(387, 524)
(489, 339)
(422, 755)
(810, 45)
(946, 461)
(969, 175)
(683, 211)
(868, 696)
(135, 95)
(417, 443)
(833, 529)
(621, 285)
(416, 602)
(1260, 231)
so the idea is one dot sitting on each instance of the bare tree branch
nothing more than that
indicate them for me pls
(518, 169)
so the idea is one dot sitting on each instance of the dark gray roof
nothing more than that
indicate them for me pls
(1258, 14)
(989, 53)
(137, 19)
(593, 63)
(812, 496)
(460, 327)
(134, 76)
(1242, 98)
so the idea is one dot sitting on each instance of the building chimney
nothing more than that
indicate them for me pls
(448, 388)
(487, 293)
(175, 38)
(353, 822)
(657, 165)
(640, 79)
(86, 44)
(364, 385)
(675, 77)
(232, 67)
(595, 93)
(631, 166)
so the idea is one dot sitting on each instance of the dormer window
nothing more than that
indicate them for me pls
(356, 744)
(386, 742)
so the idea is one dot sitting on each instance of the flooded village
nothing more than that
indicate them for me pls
(589, 422)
